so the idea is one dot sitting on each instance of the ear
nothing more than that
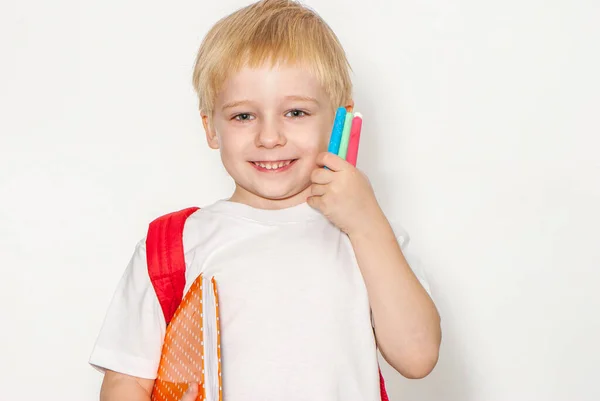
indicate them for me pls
(211, 134)
(349, 106)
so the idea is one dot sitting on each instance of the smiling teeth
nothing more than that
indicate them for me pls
(273, 165)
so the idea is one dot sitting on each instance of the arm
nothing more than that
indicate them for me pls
(406, 321)
(131, 337)
(121, 387)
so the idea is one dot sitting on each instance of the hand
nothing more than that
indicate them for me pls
(192, 393)
(343, 194)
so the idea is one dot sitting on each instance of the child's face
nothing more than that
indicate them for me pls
(269, 125)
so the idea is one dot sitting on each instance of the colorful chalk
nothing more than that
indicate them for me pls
(352, 154)
(345, 136)
(336, 132)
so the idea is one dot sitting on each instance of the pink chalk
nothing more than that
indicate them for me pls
(352, 154)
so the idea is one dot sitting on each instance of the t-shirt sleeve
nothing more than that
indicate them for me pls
(131, 336)
(411, 257)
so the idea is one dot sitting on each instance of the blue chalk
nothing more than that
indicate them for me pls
(336, 132)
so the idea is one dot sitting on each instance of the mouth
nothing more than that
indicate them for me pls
(273, 166)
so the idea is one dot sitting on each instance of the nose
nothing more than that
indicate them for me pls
(270, 135)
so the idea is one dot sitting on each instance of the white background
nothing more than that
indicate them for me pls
(481, 137)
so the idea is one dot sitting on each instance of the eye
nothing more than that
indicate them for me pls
(243, 117)
(296, 113)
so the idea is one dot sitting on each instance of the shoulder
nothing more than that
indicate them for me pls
(196, 225)
(173, 219)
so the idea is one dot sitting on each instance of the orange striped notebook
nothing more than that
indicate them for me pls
(191, 351)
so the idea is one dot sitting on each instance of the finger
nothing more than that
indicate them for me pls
(318, 189)
(316, 202)
(321, 176)
(332, 162)
(192, 393)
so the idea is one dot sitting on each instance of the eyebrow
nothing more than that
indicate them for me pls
(237, 103)
(302, 99)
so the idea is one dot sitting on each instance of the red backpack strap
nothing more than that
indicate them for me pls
(165, 259)
(384, 396)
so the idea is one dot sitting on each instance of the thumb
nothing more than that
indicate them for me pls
(314, 202)
(192, 393)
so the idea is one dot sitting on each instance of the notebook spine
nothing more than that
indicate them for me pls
(211, 332)
(218, 325)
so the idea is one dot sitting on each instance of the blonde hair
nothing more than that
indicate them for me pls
(271, 31)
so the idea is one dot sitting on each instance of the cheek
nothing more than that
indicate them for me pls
(231, 151)
(316, 142)
(232, 142)
(325, 134)
(324, 143)
(309, 149)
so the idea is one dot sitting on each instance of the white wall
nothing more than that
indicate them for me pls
(481, 136)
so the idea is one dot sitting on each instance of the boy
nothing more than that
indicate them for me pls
(311, 276)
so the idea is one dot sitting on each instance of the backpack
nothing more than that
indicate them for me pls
(166, 268)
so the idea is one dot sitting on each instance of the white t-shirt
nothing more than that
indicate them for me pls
(295, 317)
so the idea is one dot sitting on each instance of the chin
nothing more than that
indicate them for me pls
(273, 186)
(277, 195)
(271, 191)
